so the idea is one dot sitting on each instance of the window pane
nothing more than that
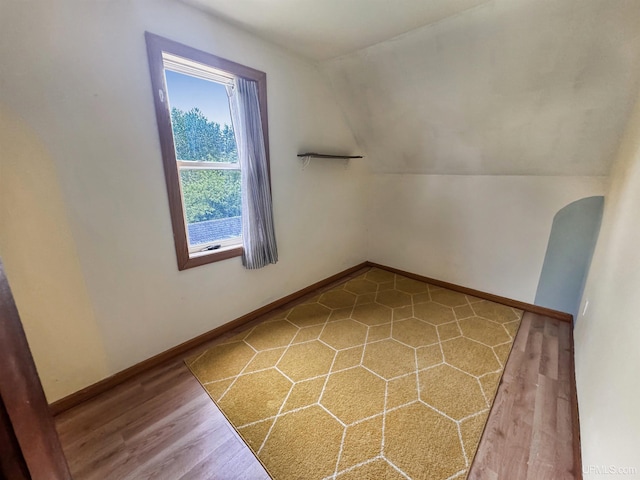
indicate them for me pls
(200, 119)
(212, 204)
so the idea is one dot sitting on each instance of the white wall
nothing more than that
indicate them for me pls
(479, 128)
(77, 74)
(511, 87)
(607, 337)
(485, 232)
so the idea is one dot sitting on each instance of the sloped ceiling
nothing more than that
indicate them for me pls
(498, 87)
(512, 87)
(322, 29)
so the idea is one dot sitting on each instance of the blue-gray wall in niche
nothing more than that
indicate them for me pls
(571, 244)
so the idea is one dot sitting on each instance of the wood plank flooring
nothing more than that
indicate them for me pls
(529, 432)
(162, 424)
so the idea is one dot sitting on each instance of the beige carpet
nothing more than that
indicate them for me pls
(382, 377)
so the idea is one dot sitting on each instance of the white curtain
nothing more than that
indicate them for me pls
(258, 235)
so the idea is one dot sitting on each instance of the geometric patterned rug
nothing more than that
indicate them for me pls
(381, 377)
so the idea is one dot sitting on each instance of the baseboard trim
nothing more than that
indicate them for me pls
(575, 417)
(76, 398)
(548, 312)
(562, 316)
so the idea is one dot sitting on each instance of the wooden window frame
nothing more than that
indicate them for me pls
(156, 45)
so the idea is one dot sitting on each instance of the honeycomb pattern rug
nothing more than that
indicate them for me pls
(381, 377)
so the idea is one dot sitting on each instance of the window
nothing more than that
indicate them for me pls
(200, 154)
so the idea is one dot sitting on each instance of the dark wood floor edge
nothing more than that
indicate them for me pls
(575, 417)
(495, 394)
(231, 424)
(547, 312)
(76, 398)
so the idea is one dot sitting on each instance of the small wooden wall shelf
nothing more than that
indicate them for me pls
(324, 155)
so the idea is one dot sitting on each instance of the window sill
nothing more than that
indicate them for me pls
(202, 258)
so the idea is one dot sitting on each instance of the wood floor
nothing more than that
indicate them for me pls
(162, 424)
(529, 434)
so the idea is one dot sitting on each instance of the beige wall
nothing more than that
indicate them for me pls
(607, 337)
(77, 73)
(42, 265)
(480, 231)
